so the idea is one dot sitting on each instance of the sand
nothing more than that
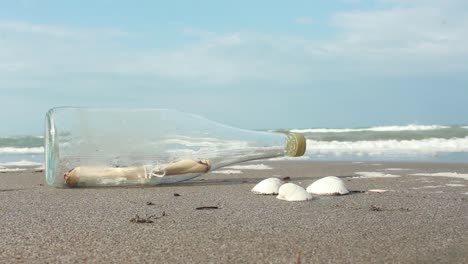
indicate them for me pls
(409, 224)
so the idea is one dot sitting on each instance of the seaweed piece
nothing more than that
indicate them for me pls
(208, 208)
(148, 219)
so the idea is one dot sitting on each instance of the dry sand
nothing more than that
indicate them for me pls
(42, 224)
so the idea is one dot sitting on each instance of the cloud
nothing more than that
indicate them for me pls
(29, 50)
(304, 20)
(219, 58)
(25, 27)
(414, 30)
(398, 38)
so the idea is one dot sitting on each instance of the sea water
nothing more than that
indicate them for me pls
(431, 143)
(21, 152)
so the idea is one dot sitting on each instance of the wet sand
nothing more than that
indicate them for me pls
(409, 224)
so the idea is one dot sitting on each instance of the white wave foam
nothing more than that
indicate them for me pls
(21, 163)
(11, 170)
(40, 167)
(444, 174)
(367, 175)
(397, 169)
(455, 185)
(378, 147)
(250, 167)
(373, 129)
(228, 171)
(20, 137)
(427, 187)
(466, 127)
(12, 150)
(289, 158)
(206, 142)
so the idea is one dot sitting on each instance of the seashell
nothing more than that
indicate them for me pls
(268, 186)
(330, 185)
(293, 192)
(377, 190)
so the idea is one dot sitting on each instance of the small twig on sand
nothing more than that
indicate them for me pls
(147, 219)
(139, 220)
(297, 259)
(356, 191)
(208, 207)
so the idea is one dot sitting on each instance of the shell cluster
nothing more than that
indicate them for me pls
(284, 191)
(330, 185)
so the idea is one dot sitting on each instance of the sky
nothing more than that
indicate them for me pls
(250, 64)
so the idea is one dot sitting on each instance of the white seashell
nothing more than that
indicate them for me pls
(377, 190)
(330, 185)
(268, 186)
(293, 192)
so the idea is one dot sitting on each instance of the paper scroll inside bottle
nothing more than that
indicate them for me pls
(182, 167)
(142, 174)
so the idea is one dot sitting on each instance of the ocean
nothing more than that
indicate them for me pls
(426, 143)
(21, 152)
(432, 143)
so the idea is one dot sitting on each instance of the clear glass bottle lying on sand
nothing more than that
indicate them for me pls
(135, 147)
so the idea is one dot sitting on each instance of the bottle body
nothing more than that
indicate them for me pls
(107, 147)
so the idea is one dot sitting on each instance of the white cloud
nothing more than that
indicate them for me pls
(402, 37)
(28, 49)
(219, 58)
(22, 27)
(304, 20)
(25, 27)
(413, 30)
(194, 32)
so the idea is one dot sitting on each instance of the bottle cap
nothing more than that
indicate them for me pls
(296, 145)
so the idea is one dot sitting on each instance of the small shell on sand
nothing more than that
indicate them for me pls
(268, 186)
(330, 185)
(293, 192)
(377, 191)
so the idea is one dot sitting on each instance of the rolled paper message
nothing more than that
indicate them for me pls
(92, 174)
(182, 167)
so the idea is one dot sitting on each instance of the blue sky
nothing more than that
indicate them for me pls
(251, 64)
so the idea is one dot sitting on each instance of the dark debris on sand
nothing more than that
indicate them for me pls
(208, 207)
(148, 219)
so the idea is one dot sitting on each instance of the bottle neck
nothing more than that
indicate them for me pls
(294, 145)
(243, 157)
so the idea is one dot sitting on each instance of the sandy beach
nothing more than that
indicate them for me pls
(421, 219)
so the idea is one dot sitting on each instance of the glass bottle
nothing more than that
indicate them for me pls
(130, 147)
